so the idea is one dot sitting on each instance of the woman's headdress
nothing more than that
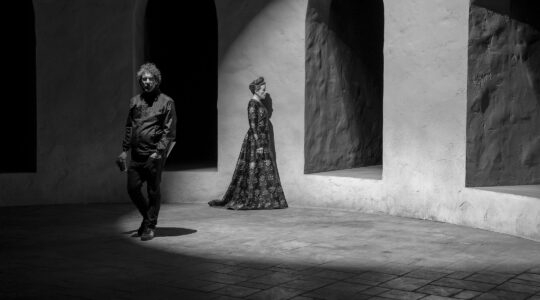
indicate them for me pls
(255, 84)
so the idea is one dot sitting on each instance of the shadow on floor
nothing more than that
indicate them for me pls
(167, 231)
(65, 252)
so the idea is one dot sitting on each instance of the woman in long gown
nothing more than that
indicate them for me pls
(255, 183)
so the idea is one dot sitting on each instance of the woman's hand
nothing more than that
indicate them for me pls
(121, 161)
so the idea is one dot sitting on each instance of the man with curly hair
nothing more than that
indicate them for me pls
(150, 133)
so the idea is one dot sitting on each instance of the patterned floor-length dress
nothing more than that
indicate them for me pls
(255, 183)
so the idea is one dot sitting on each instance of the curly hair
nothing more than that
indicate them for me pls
(255, 84)
(152, 69)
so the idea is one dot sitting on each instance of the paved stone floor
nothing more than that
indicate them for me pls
(87, 252)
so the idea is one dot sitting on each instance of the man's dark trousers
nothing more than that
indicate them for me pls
(145, 169)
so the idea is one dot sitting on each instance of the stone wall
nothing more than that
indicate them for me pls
(503, 117)
(85, 77)
(344, 63)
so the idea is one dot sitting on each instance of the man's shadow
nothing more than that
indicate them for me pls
(166, 232)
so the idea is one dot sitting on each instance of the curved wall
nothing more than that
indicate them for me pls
(81, 108)
(424, 119)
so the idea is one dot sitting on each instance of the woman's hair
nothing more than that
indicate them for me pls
(255, 84)
(152, 69)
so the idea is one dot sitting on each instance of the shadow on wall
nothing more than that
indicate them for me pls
(187, 51)
(503, 118)
(526, 12)
(233, 17)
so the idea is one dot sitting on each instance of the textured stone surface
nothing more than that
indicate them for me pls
(206, 253)
(503, 120)
(344, 63)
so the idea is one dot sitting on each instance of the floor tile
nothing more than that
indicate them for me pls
(493, 278)
(426, 274)
(373, 277)
(502, 295)
(222, 278)
(374, 291)
(307, 284)
(466, 294)
(274, 278)
(438, 290)
(402, 295)
(255, 285)
(337, 291)
(434, 297)
(464, 284)
(236, 291)
(405, 283)
(275, 293)
(251, 273)
(64, 251)
(521, 288)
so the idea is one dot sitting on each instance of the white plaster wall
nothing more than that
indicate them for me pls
(424, 119)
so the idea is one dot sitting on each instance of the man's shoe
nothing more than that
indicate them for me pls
(148, 234)
(141, 229)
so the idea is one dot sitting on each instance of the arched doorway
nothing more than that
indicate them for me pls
(181, 38)
(19, 121)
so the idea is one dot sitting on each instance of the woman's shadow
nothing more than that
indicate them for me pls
(166, 232)
(267, 102)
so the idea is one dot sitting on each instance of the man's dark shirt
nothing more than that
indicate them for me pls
(150, 125)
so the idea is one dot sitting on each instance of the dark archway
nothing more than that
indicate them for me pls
(344, 84)
(181, 38)
(19, 120)
(503, 95)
